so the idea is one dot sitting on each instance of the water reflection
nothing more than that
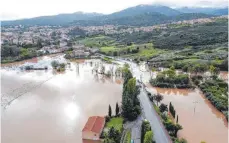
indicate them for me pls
(72, 111)
(58, 109)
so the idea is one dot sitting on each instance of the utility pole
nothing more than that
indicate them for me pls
(195, 102)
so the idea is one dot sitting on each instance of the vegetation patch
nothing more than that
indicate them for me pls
(127, 137)
(116, 122)
(169, 79)
(215, 91)
(60, 67)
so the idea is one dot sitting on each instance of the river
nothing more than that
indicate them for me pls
(54, 106)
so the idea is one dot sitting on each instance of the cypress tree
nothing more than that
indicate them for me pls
(109, 111)
(177, 119)
(117, 109)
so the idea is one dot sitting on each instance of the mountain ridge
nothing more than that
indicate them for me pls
(65, 19)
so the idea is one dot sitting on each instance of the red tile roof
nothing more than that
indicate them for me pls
(94, 124)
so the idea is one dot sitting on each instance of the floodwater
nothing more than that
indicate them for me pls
(205, 123)
(54, 107)
(201, 121)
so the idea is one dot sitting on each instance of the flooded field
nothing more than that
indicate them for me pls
(53, 107)
(205, 123)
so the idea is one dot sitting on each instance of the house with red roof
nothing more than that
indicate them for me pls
(93, 128)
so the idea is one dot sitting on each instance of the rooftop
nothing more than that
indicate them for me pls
(94, 124)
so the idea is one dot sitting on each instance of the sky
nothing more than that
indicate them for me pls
(18, 9)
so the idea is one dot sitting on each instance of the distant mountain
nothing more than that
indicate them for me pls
(52, 20)
(146, 19)
(212, 11)
(223, 11)
(141, 9)
(137, 15)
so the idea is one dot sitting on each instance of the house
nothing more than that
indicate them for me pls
(93, 128)
(81, 53)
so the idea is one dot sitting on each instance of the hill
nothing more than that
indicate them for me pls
(52, 20)
(212, 11)
(145, 19)
(137, 16)
(141, 9)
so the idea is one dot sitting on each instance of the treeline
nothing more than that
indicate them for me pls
(130, 103)
(14, 53)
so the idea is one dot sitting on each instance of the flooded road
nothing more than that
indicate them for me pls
(58, 106)
(205, 123)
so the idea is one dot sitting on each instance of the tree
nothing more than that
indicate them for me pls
(177, 128)
(117, 109)
(172, 110)
(144, 128)
(130, 103)
(110, 111)
(148, 137)
(158, 98)
(107, 140)
(131, 87)
(114, 134)
(177, 119)
(55, 64)
(163, 108)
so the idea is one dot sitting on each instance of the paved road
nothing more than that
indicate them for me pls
(135, 128)
(160, 134)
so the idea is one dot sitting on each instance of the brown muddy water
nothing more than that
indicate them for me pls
(53, 107)
(205, 123)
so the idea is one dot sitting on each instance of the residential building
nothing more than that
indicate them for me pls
(93, 128)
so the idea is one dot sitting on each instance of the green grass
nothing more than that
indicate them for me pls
(108, 49)
(127, 137)
(108, 60)
(97, 41)
(115, 122)
(149, 52)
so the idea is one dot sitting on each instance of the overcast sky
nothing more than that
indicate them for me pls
(17, 9)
